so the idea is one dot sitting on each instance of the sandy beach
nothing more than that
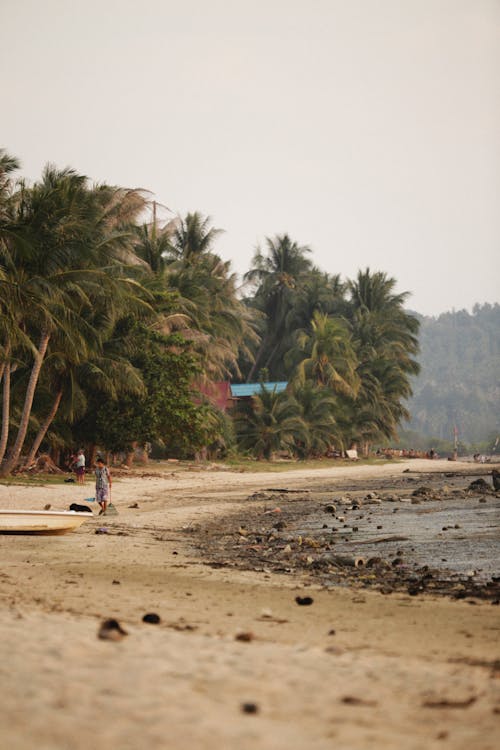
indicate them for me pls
(234, 660)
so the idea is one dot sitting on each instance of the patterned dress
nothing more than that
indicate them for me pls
(102, 484)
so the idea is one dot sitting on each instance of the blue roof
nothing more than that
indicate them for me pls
(251, 389)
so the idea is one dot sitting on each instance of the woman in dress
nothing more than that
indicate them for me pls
(102, 484)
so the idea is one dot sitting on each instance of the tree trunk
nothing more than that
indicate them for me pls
(55, 454)
(263, 344)
(92, 453)
(13, 457)
(4, 435)
(43, 429)
(129, 460)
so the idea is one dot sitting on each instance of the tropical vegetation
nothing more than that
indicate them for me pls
(114, 324)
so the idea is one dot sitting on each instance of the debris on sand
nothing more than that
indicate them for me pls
(246, 637)
(445, 703)
(304, 601)
(152, 618)
(479, 485)
(417, 557)
(111, 630)
(249, 708)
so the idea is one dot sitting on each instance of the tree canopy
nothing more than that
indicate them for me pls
(112, 326)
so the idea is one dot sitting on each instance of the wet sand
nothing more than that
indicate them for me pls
(354, 669)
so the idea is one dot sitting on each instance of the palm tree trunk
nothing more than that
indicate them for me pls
(13, 457)
(270, 358)
(4, 435)
(262, 346)
(43, 429)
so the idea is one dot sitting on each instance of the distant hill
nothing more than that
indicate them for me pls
(459, 384)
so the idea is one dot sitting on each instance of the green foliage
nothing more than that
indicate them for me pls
(105, 324)
(268, 423)
(164, 413)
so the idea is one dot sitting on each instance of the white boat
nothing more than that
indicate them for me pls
(41, 521)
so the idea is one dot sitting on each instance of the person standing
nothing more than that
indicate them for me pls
(79, 465)
(103, 484)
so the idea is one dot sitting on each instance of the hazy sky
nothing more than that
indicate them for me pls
(366, 129)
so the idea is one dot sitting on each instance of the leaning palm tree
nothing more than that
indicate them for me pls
(67, 242)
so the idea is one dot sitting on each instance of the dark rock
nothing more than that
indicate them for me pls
(250, 708)
(304, 601)
(479, 485)
(244, 637)
(152, 618)
(496, 479)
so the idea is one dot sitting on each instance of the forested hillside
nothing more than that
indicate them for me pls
(459, 382)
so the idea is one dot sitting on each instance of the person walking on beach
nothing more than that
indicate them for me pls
(79, 465)
(102, 484)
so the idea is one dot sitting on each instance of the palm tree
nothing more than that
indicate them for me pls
(277, 276)
(8, 165)
(385, 340)
(66, 248)
(317, 292)
(327, 355)
(68, 377)
(192, 238)
(218, 325)
(318, 406)
(271, 423)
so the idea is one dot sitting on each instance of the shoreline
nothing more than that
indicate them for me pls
(397, 671)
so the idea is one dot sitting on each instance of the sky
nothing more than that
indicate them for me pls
(368, 130)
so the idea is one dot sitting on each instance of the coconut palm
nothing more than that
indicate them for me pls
(276, 276)
(327, 355)
(192, 238)
(66, 247)
(385, 340)
(218, 325)
(66, 380)
(318, 406)
(271, 423)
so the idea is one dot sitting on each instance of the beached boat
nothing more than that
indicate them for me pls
(40, 521)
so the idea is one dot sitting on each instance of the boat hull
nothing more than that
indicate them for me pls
(44, 522)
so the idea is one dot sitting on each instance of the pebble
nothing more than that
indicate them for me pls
(249, 708)
(244, 637)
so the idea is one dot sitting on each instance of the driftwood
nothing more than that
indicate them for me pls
(284, 490)
(486, 472)
(382, 539)
(43, 465)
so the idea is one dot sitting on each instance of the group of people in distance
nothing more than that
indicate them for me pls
(103, 479)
